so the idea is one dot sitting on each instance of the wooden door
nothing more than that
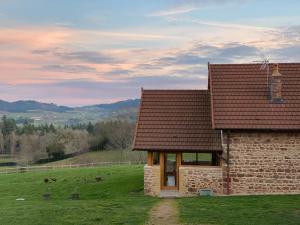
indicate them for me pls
(169, 167)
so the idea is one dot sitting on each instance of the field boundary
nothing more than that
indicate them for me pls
(24, 169)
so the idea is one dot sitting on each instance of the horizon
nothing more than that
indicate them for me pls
(100, 52)
(70, 106)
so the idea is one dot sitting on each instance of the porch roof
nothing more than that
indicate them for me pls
(176, 120)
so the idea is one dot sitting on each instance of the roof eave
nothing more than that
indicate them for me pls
(137, 120)
(261, 129)
(177, 150)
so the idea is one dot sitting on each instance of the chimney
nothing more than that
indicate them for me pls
(276, 85)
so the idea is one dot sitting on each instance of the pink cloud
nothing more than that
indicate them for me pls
(34, 37)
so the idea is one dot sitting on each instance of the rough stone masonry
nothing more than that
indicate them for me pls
(265, 162)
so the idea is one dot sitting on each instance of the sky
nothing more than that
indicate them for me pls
(76, 52)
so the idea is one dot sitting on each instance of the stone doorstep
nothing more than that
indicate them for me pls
(168, 194)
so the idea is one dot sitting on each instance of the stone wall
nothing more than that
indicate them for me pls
(152, 180)
(194, 178)
(264, 162)
(260, 163)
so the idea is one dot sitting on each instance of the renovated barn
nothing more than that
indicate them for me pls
(240, 136)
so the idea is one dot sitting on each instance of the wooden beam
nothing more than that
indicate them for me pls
(162, 168)
(150, 158)
(178, 164)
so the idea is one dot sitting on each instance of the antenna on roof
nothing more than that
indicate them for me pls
(264, 62)
(265, 65)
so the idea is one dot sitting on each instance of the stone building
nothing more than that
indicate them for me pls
(240, 136)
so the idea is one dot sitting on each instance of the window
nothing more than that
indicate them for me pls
(155, 158)
(197, 158)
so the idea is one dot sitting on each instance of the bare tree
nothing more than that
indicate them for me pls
(29, 149)
(119, 134)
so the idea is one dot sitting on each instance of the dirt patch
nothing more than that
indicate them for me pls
(164, 213)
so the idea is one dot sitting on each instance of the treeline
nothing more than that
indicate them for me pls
(28, 143)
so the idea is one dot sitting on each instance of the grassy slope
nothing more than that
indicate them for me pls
(94, 157)
(103, 156)
(246, 210)
(118, 199)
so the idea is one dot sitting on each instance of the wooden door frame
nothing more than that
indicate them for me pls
(162, 169)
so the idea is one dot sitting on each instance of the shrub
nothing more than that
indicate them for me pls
(56, 150)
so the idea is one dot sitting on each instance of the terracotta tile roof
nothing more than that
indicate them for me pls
(177, 120)
(240, 97)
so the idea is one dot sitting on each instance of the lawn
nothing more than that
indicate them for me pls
(245, 210)
(117, 199)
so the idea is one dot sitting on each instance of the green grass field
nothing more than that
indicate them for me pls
(117, 199)
(242, 210)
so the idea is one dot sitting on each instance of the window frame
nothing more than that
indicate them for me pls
(215, 160)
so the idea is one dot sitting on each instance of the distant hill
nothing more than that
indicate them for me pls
(130, 103)
(25, 106)
(62, 115)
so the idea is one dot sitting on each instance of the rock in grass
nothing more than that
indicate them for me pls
(74, 196)
(98, 179)
(46, 196)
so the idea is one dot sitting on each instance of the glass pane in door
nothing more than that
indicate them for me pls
(170, 169)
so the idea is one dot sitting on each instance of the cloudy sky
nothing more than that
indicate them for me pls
(76, 52)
